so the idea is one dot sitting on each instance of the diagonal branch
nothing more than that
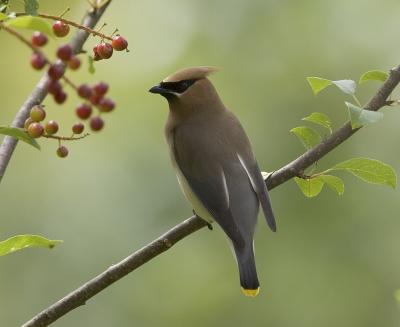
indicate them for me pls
(79, 296)
(40, 92)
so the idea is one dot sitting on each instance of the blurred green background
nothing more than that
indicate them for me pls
(334, 261)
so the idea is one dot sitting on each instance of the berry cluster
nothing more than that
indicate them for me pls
(95, 103)
(105, 50)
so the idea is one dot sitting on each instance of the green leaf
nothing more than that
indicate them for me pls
(318, 84)
(310, 187)
(20, 242)
(374, 75)
(32, 23)
(319, 119)
(3, 16)
(360, 117)
(31, 7)
(370, 171)
(347, 86)
(19, 134)
(91, 69)
(307, 136)
(335, 183)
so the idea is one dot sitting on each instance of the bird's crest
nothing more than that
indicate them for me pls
(192, 73)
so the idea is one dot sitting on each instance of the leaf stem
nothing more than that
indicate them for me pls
(357, 101)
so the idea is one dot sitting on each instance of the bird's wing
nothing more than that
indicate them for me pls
(253, 172)
(249, 163)
(206, 178)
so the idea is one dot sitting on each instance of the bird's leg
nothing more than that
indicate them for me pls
(208, 224)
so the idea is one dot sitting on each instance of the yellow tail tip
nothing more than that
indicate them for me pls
(251, 293)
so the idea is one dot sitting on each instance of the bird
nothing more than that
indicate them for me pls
(215, 164)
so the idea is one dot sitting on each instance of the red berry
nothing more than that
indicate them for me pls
(38, 61)
(96, 124)
(96, 56)
(56, 71)
(54, 87)
(119, 43)
(74, 63)
(37, 113)
(28, 122)
(38, 39)
(60, 97)
(35, 130)
(83, 111)
(95, 99)
(60, 29)
(65, 52)
(62, 151)
(51, 127)
(106, 105)
(100, 88)
(105, 50)
(84, 91)
(78, 128)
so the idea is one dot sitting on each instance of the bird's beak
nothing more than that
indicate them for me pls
(158, 89)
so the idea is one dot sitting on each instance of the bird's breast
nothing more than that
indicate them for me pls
(197, 205)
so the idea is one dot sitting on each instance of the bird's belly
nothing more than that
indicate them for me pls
(192, 198)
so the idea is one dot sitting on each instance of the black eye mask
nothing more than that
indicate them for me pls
(177, 87)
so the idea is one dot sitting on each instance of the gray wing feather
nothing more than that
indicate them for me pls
(207, 180)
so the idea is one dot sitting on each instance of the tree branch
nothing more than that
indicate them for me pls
(79, 296)
(40, 92)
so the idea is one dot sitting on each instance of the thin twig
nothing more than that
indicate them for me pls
(79, 296)
(72, 23)
(40, 91)
(21, 38)
(65, 138)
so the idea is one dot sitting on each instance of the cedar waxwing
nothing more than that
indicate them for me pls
(215, 164)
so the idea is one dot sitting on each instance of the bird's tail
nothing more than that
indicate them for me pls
(247, 270)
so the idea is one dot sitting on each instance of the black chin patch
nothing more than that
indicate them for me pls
(177, 87)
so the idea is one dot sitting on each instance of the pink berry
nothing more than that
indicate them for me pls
(38, 39)
(106, 105)
(54, 87)
(65, 52)
(119, 43)
(37, 113)
(96, 124)
(51, 127)
(60, 29)
(95, 99)
(74, 63)
(56, 71)
(84, 91)
(105, 50)
(96, 56)
(35, 130)
(78, 128)
(83, 111)
(100, 88)
(62, 151)
(38, 61)
(60, 97)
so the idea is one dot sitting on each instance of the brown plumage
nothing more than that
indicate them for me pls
(215, 164)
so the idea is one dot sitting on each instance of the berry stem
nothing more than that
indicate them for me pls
(65, 11)
(69, 82)
(65, 138)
